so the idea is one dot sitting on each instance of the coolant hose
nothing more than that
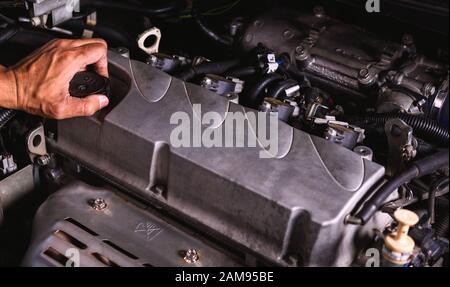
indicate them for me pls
(416, 169)
(425, 128)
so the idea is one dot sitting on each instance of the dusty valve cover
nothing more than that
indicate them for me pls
(280, 208)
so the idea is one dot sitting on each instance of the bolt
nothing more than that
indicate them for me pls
(236, 26)
(191, 256)
(319, 11)
(407, 40)
(124, 52)
(43, 160)
(300, 50)
(408, 152)
(51, 135)
(429, 90)
(288, 34)
(249, 38)
(421, 103)
(258, 23)
(364, 73)
(53, 175)
(36, 21)
(98, 204)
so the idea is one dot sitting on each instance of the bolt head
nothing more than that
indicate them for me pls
(43, 160)
(408, 152)
(300, 50)
(319, 11)
(98, 204)
(191, 256)
(364, 73)
(408, 40)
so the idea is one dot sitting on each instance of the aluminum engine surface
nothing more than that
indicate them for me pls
(293, 205)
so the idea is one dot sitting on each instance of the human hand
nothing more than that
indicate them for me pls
(39, 84)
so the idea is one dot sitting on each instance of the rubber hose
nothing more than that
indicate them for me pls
(416, 169)
(208, 68)
(6, 116)
(441, 226)
(254, 97)
(424, 128)
(241, 72)
(7, 33)
(157, 10)
(6, 19)
(31, 38)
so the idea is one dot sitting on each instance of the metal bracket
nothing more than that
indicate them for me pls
(150, 33)
(36, 143)
(402, 145)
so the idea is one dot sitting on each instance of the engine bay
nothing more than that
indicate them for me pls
(278, 134)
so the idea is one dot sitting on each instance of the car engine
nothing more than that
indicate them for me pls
(356, 98)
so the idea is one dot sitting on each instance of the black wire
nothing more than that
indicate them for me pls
(226, 41)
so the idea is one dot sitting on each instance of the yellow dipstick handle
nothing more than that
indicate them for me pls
(400, 241)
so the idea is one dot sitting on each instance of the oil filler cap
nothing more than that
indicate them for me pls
(89, 83)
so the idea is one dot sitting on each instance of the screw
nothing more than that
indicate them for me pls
(98, 204)
(191, 256)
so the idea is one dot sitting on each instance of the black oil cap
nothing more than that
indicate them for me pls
(89, 83)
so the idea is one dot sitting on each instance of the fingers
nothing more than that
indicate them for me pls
(94, 54)
(66, 44)
(75, 107)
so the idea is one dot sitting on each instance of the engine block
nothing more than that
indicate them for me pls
(290, 206)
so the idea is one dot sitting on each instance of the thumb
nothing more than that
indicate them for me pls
(88, 106)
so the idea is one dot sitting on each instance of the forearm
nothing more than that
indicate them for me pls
(8, 94)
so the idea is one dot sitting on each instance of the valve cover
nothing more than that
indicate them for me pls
(289, 206)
